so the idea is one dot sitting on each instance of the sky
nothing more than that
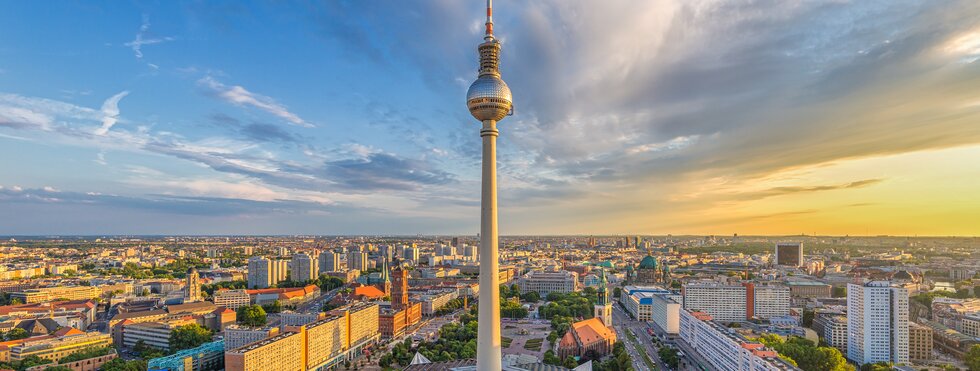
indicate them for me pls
(631, 117)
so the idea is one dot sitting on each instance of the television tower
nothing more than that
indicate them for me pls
(489, 100)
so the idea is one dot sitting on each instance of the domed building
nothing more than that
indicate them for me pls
(648, 272)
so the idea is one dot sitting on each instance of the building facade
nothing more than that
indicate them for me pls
(877, 323)
(722, 302)
(231, 299)
(724, 349)
(545, 282)
(789, 254)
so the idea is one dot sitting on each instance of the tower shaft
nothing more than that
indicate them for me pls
(488, 355)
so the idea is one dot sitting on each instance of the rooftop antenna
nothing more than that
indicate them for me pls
(489, 34)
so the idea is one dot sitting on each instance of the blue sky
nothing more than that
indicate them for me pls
(348, 116)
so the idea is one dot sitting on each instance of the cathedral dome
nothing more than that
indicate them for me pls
(648, 262)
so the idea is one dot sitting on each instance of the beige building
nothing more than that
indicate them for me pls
(920, 342)
(283, 352)
(232, 299)
(239, 336)
(44, 294)
(545, 282)
(325, 342)
(59, 346)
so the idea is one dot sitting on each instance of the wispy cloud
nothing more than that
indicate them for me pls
(110, 112)
(790, 190)
(239, 96)
(143, 38)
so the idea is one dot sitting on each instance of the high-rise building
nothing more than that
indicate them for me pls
(832, 328)
(357, 260)
(767, 301)
(603, 307)
(722, 302)
(192, 287)
(877, 323)
(411, 253)
(329, 261)
(302, 267)
(280, 270)
(455, 242)
(259, 272)
(789, 254)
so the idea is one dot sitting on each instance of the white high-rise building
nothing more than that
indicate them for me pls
(259, 272)
(302, 267)
(877, 323)
(722, 302)
(329, 261)
(770, 301)
(357, 260)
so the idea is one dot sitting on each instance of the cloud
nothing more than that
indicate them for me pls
(789, 190)
(257, 131)
(110, 110)
(379, 171)
(239, 96)
(143, 38)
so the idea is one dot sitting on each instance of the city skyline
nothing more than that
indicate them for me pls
(684, 118)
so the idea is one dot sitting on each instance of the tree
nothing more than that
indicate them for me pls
(251, 315)
(617, 292)
(570, 362)
(972, 358)
(118, 364)
(275, 307)
(839, 292)
(551, 359)
(17, 333)
(189, 336)
(669, 356)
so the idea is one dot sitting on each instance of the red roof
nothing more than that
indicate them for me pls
(369, 291)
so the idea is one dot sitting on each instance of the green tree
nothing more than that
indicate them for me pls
(275, 307)
(17, 333)
(972, 358)
(189, 336)
(251, 315)
(669, 356)
(119, 364)
(838, 292)
(570, 362)
(551, 359)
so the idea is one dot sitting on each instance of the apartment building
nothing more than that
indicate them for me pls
(723, 348)
(283, 352)
(920, 342)
(238, 336)
(721, 301)
(877, 323)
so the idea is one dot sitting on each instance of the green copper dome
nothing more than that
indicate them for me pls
(648, 263)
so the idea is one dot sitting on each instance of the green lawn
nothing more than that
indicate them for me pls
(534, 344)
(505, 341)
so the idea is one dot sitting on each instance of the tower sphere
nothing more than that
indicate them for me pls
(489, 98)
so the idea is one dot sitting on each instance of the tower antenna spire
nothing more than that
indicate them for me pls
(489, 34)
